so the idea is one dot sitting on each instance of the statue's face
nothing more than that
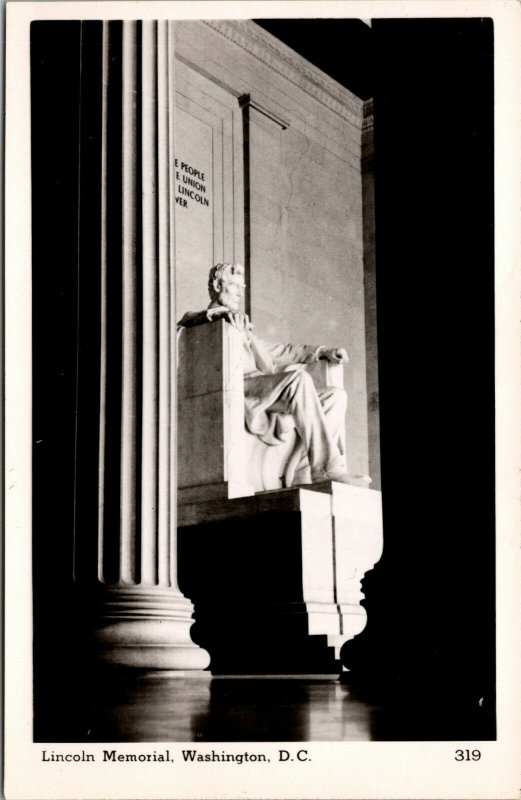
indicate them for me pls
(232, 289)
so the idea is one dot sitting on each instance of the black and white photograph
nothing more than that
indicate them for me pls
(262, 386)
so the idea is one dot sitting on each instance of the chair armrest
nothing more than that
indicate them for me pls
(326, 374)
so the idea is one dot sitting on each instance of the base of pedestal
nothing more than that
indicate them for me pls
(275, 578)
(146, 628)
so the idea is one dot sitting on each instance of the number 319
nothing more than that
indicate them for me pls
(467, 755)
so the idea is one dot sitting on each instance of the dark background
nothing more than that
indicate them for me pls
(431, 599)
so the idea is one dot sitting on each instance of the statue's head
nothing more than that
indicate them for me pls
(226, 285)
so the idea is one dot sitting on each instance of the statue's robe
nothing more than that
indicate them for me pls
(271, 376)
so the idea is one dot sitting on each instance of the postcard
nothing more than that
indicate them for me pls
(262, 394)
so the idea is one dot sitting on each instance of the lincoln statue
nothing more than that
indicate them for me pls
(276, 382)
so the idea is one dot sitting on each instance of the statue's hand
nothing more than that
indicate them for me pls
(239, 320)
(337, 355)
(236, 318)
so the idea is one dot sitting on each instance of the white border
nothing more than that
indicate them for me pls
(343, 770)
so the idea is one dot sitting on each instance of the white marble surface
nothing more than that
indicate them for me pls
(340, 539)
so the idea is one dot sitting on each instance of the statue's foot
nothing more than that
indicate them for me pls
(341, 476)
(338, 475)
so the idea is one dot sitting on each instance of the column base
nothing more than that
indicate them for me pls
(146, 628)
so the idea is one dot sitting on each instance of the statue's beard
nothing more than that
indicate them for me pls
(229, 301)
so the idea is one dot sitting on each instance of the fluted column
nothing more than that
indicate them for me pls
(125, 552)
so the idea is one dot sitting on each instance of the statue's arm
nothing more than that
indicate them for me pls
(285, 354)
(193, 318)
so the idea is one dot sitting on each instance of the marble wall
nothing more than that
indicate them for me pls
(280, 144)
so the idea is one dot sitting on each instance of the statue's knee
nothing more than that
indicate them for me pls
(303, 379)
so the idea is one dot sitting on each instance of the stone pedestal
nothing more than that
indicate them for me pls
(356, 515)
(275, 578)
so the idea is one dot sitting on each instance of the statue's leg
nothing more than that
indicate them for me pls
(301, 400)
(334, 404)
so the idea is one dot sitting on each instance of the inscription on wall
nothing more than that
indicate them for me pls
(190, 185)
(195, 207)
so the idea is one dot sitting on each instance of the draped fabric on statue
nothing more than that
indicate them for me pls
(269, 369)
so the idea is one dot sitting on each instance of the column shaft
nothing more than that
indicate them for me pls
(149, 422)
(140, 617)
(169, 98)
(166, 504)
(103, 298)
(128, 572)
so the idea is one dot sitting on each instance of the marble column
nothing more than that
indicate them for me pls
(125, 511)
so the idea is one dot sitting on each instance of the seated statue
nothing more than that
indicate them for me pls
(275, 381)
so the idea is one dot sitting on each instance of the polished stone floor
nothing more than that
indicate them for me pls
(130, 706)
